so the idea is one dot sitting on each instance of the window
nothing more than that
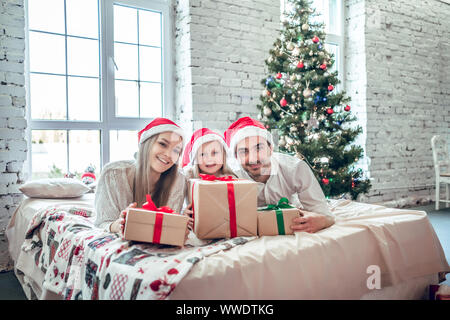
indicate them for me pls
(97, 72)
(331, 14)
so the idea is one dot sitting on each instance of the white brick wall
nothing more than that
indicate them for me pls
(221, 47)
(402, 90)
(13, 146)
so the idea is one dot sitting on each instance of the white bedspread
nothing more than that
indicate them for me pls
(330, 264)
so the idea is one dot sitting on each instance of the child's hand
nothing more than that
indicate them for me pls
(188, 211)
(190, 224)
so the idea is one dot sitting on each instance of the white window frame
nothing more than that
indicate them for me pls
(108, 121)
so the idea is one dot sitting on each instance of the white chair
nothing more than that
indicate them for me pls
(441, 159)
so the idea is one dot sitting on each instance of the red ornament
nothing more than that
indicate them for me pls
(283, 102)
(315, 39)
(353, 184)
(279, 75)
(330, 111)
(325, 181)
(323, 66)
(300, 65)
(330, 87)
(268, 93)
(347, 108)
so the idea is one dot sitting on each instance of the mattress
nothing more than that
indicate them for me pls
(334, 263)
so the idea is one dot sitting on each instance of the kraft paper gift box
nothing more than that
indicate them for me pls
(155, 226)
(224, 207)
(277, 219)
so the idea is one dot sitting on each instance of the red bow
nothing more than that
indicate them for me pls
(210, 177)
(150, 205)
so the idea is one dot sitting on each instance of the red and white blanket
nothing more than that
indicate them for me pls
(81, 261)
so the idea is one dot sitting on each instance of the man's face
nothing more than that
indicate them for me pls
(254, 155)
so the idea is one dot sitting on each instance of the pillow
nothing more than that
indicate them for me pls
(54, 188)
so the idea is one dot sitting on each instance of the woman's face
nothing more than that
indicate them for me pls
(210, 157)
(165, 151)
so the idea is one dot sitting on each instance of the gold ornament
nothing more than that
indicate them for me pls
(305, 27)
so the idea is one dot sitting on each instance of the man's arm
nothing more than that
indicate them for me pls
(317, 214)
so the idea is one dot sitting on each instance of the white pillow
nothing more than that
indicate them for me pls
(54, 188)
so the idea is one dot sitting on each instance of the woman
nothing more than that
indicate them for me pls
(124, 184)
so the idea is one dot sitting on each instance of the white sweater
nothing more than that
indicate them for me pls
(115, 192)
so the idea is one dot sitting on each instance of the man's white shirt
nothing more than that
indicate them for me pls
(291, 178)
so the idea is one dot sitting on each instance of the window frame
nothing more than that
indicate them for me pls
(108, 120)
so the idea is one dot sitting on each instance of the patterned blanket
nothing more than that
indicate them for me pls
(81, 261)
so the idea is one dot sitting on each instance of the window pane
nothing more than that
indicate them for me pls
(84, 151)
(49, 153)
(123, 144)
(84, 98)
(335, 17)
(82, 18)
(40, 11)
(126, 58)
(150, 28)
(82, 57)
(127, 104)
(150, 64)
(48, 97)
(47, 53)
(125, 24)
(151, 105)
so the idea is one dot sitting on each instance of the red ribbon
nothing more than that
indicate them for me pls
(231, 199)
(157, 229)
(210, 177)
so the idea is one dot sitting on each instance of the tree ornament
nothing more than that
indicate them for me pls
(290, 46)
(267, 111)
(330, 87)
(293, 129)
(283, 102)
(315, 39)
(305, 27)
(347, 108)
(307, 93)
(282, 142)
(325, 181)
(330, 111)
(279, 75)
(296, 52)
(323, 66)
(300, 65)
(293, 77)
(311, 52)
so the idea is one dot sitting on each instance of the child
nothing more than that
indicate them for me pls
(205, 153)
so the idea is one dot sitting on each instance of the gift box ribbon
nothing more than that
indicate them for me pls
(157, 230)
(231, 199)
(283, 203)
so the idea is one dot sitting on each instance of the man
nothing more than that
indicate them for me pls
(278, 175)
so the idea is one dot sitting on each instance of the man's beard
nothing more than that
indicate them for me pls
(264, 170)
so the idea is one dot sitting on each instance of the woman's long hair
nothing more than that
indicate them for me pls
(160, 195)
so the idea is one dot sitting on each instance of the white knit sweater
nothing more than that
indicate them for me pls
(115, 192)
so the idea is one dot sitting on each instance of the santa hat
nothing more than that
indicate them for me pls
(200, 137)
(243, 128)
(157, 126)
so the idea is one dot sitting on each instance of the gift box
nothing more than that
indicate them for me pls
(155, 225)
(224, 207)
(276, 219)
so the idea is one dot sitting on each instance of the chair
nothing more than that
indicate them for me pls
(441, 159)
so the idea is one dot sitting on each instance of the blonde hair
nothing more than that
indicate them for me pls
(163, 187)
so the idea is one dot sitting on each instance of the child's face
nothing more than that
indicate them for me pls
(210, 157)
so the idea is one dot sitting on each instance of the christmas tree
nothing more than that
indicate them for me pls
(301, 105)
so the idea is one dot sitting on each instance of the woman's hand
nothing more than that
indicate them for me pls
(118, 226)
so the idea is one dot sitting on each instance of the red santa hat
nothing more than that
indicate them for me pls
(243, 128)
(200, 137)
(159, 125)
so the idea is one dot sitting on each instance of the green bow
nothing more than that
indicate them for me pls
(283, 203)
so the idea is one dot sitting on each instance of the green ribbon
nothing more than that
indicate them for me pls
(283, 203)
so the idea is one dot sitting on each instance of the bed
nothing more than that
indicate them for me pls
(371, 252)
